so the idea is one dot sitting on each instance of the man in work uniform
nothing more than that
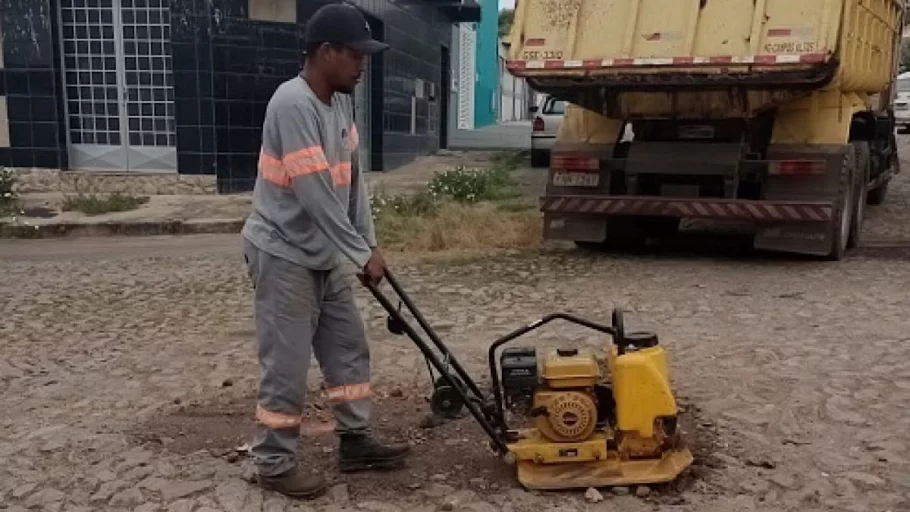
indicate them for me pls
(311, 212)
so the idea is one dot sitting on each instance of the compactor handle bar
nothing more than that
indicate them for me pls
(468, 391)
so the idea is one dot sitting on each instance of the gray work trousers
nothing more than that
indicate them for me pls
(298, 312)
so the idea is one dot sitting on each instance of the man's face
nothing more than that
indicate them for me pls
(345, 67)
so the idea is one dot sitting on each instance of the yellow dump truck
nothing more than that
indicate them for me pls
(773, 112)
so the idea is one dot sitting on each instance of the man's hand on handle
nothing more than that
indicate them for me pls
(374, 270)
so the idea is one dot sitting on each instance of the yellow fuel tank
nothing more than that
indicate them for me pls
(641, 388)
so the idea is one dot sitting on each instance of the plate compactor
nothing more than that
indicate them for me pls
(587, 430)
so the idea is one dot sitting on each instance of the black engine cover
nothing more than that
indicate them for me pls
(518, 366)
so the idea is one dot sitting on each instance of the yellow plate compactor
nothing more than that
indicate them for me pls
(585, 429)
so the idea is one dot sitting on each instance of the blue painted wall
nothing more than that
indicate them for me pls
(487, 70)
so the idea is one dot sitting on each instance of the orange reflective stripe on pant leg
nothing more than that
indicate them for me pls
(349, 393)
(276, 419)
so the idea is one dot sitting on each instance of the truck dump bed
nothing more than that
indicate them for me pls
(566, 46)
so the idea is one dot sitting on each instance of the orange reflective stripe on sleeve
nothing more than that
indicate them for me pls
(355, 138)
(301, 162)
(305, 161)
(276, 419)
(272, 170)
(349, 393)
(341, 173)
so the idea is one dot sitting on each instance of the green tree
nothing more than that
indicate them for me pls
(505, 21)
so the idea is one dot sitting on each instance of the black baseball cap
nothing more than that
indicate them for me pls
(342, 24)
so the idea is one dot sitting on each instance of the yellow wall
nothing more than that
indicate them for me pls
(284, 11)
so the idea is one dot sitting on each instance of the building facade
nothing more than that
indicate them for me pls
(487, 70)
(515, 96)
(180, 86)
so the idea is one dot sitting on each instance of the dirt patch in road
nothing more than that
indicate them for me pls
(452, 454)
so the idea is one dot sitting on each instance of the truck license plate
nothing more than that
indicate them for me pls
(576, 179)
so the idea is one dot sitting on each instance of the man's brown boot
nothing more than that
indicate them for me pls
(359, 452)
(294, 483)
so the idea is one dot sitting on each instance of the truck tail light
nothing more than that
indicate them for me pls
(797, 167)
(574, 163)
(538, 124)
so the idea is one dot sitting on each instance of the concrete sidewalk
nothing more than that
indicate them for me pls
(502, 136)
(168, 214)
(162, 214)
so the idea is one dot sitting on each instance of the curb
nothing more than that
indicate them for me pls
(107, 229)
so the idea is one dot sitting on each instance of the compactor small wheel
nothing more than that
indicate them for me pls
(445, 401)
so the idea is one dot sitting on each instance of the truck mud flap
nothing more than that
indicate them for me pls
(574, 228)
(810, 238)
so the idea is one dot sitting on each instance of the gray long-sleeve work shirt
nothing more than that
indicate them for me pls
(310, 200)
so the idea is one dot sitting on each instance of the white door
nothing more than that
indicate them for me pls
(467, 69)
(119, 84)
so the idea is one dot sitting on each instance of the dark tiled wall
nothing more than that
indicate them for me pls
(416, 34)
(30, 82)
(225, 69)
(231, 65)
(250, 59)
(191, 48)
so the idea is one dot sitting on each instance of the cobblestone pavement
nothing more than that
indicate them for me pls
(128, 375)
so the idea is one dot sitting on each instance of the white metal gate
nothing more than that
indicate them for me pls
(362, 116)
(119, 84)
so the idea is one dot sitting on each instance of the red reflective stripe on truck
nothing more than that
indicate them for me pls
(796, 167)
(696, 208)
(681, 61)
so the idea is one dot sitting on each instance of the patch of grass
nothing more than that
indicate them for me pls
(470, 186)
(405, 205)
(92, 204)
(509, 160)
(460, 227)
(516, 205)
(9, 197)
(460, 209)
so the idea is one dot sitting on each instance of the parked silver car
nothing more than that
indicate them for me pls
(547, 119)
(902, 103)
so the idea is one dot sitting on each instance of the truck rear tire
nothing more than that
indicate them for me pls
(841, 224)
(861, 173)
(540, 158)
